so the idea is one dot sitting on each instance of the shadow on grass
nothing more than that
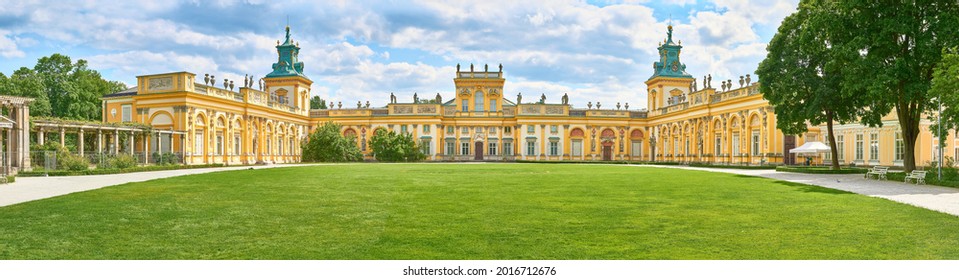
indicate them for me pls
(810, 188)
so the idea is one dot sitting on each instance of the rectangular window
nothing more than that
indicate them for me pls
(900, 149)
(126, 113)
(874, 147)
(492, 130)
(479, 129)
(736, 151)
(508, 148)
(464, 148)
(530, 148)
(279, 147)
(198, 143)
(492, 149)
(219, 144)
(425, 145)
(825, 140)
(492, 105)
(637, 148)
(554, 148)
(553, 129)
(466, 105)
(530, 129)
(236, 144)
(756, 149)
(718, 149)
(507, 129)
(676, 147)
(577, 148)
(450, 130)
(840, 141)
(269, 147)
(859, 147)
(426, 128)
(403, 129)
(465, 130)
(450, 148)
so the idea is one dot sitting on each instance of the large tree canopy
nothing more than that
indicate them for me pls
(945, 88)
(395, 147)
(899, 45)
(61, 88)
(803, 73)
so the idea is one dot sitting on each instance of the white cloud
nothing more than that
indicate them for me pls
(8, 46)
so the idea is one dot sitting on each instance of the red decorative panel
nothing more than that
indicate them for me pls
(576, 133)
(636, 134)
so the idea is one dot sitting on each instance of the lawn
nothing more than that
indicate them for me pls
(472, 211)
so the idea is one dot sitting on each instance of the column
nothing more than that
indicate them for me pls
(99, 141)
(62, 136)
(130, 142)
(6, 160)
(116, 141)
(80, 142)
(24, 122)
(40, 136)
(146, 148)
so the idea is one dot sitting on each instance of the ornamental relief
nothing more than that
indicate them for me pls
(426, 110)
(161, 83)
(529, 110)
(554, 110)
(403, 110)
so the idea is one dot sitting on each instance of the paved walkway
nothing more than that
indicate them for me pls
(34, 188)
(936, 198)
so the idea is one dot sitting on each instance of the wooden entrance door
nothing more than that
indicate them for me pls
(789, 143)
(478, 150)
(607, 153)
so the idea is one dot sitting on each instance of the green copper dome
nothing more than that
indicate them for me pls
(669, 64)
(287, 64)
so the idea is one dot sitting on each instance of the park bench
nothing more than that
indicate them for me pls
(917, 176)
(878, 171)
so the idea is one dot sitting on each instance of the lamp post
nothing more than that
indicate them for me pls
(940, 138)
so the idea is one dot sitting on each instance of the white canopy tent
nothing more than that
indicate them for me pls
(811, 148)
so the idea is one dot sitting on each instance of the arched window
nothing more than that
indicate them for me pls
(478, 101)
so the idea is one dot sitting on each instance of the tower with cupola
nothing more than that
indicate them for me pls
(669, 83)
(287, 84)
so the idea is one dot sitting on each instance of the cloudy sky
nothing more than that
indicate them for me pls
(363, 50)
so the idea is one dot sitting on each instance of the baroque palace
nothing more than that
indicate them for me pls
(265, 119)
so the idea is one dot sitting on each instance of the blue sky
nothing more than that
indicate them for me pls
(597, 51)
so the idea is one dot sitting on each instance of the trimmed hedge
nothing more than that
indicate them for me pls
(821, 170)
(671, 163)
(930, 179)
(40, 173)
(733, 166)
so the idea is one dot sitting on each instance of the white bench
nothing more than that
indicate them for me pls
(878, 171)
(917, 176)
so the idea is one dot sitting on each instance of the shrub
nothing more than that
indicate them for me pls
(72, 162)
(123, 161)
(165, 158)
(393, 147)
(327, 144)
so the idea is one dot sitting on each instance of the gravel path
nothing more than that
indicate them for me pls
(936, 198)
(34, 188)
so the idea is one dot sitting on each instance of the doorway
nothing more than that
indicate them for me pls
(607, 152)
(478, 151)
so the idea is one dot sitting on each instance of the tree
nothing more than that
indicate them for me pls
(945, 88)
(393, 147)
(73, 90)
(25, 82)
(327, 144)
(803, 73)
(899, 46)
(317, 103)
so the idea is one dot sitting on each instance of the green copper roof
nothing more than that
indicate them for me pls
(669, 64)
(287, 64)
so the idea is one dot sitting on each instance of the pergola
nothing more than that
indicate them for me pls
(108, 136)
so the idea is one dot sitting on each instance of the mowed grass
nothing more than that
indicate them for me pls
(472, 211)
